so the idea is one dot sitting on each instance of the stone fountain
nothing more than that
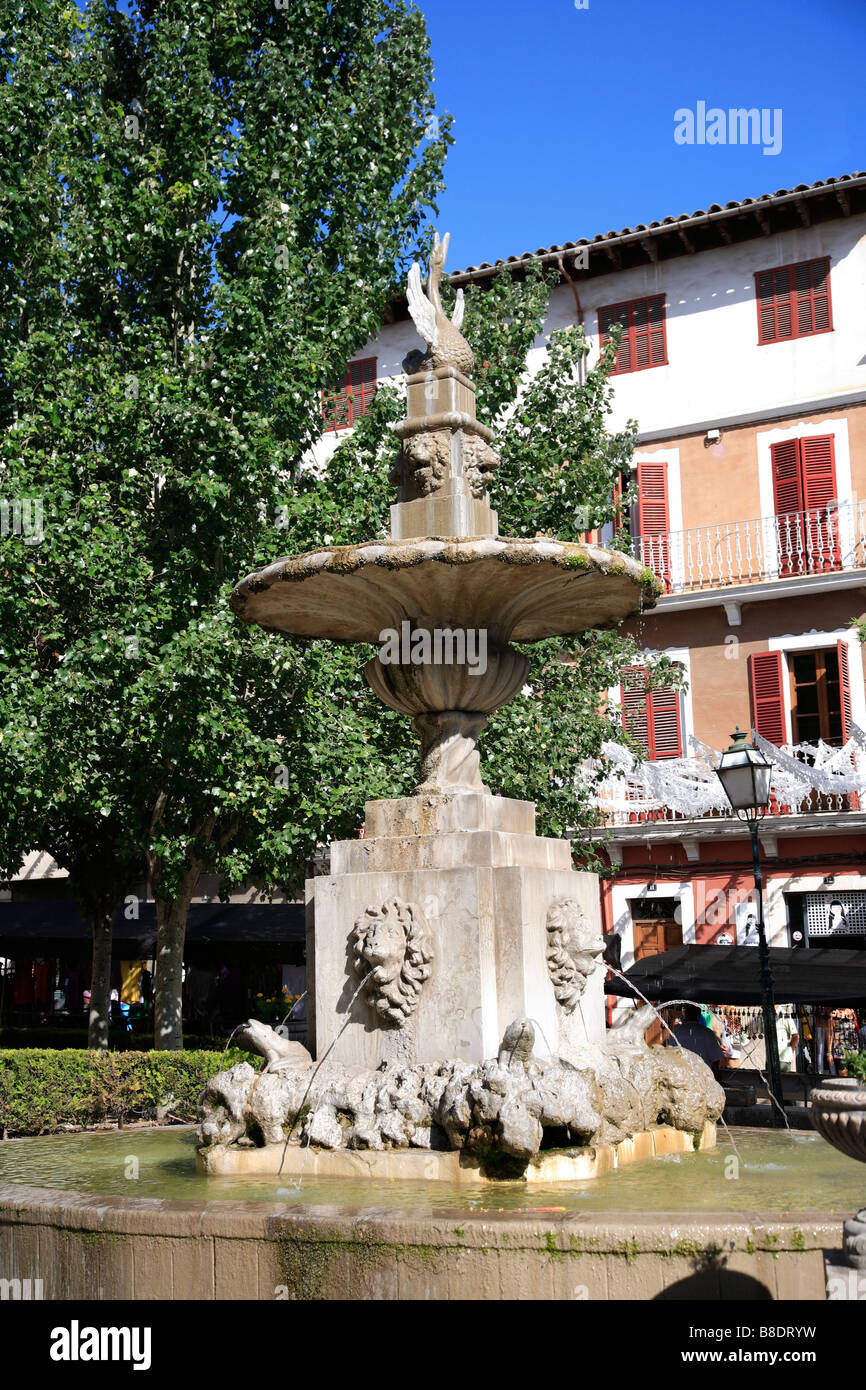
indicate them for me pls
(839, 1114)
(455, 954)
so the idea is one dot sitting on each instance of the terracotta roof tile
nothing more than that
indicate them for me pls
(714, 209)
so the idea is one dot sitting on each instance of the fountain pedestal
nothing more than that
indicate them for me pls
(463, 881)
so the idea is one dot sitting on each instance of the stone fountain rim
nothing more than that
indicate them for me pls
(839, 1096)
(454, 550)
(394, 555)
(28, 1204)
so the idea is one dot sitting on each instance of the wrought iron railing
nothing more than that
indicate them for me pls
(821, 541)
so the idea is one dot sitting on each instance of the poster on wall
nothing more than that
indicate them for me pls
(747, 924)
(836, 914)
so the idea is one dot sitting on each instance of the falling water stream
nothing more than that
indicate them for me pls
(297, 1185)
(300, 999)
(685, 1052)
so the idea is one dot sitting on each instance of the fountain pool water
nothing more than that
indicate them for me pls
(776, 1173)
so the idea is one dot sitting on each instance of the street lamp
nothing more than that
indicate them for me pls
(745, 776)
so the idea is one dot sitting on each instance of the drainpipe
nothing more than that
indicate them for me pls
(572, 284)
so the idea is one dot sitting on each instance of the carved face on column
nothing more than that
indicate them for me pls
(392, 942)
(428, 455)
(479, 464)
(573, 948)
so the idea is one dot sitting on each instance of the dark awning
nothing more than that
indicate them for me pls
(731, 975)
(56, 927)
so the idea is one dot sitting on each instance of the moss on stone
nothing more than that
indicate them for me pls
(307, 1263)
(92, 1238)
(691, 1250)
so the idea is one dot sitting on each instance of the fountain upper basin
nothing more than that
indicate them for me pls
(521, 590)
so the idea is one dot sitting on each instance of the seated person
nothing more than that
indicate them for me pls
(693, 1034)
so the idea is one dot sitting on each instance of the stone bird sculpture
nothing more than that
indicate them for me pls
(446, 346)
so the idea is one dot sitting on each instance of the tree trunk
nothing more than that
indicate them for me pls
(100, 983)
(168, 986)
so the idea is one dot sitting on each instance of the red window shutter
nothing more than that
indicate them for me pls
(782, 303)
(640, 320)
(821, 522)
(342, 408)
(361, 382)
(766, 307)
(768, 704)
(651, 716)
(793, 301)
(788, 500)
(613, 314)
(656, 321)
(634, 696)
(654, 518)
(643, 341)
(819, 472)
(666, 736)
(787, 492)
(845, 691)
(821, 296)
(803, 282)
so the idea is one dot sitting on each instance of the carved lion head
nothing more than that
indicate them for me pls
(428, 455)
(573, 947)
(392, 947)
(479, 464)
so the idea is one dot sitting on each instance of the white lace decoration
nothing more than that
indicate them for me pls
(688, 788)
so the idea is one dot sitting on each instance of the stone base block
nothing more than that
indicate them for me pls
(439, 389)
(459, 848)
(456, 515)
(453, 811)
(485, 944)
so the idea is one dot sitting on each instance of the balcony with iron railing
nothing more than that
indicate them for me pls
(807, 780)
(827, 540)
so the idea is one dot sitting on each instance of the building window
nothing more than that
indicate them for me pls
(804, 493)
(651, 715)
(653, 519)
(794, 301)
(643, 341)
(816, 697)
(341, 408)
(820, 693)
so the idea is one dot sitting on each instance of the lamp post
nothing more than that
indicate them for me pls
(745, 776)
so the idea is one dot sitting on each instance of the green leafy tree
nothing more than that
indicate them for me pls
(205, 205)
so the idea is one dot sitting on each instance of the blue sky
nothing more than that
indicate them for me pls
(564, 118)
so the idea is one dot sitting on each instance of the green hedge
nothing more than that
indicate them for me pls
(118, 1039)
(42, 1090)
